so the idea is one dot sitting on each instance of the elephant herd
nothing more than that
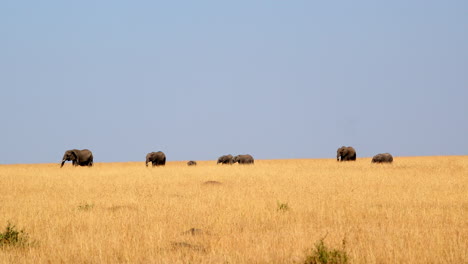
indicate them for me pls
(349, 153)
(241, 159)
(84, 157)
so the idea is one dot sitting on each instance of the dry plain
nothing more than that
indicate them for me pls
(412, 211)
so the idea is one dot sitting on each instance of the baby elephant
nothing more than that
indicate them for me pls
(382, 158)
(192, 163)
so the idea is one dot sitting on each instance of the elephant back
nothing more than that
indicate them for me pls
(382, 158)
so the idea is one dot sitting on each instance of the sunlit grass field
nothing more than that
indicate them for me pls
(412, 211)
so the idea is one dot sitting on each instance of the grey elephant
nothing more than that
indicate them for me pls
(244, 159)
(382, 158)
(156, 158)
(345, 154)
(226, 159)
(78, 157)
(192, 163)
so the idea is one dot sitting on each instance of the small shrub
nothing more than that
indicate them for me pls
(85, 207)
(283, 207)
(323, 255)
(13, 237)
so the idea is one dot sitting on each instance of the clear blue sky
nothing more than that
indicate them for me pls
(198, 79)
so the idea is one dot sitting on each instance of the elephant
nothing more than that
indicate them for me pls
(244, 159)
(382, 158)
(192, 163)
(226, 159)
(345, 154)
(156, 158)
(78, 157)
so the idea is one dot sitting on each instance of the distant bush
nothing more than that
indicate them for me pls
(323, 255)
(283, 206)
(13, 237)
(85, 207)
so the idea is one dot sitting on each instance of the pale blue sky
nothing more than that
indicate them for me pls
(198, 79)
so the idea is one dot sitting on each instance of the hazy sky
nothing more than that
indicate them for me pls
(198, 79)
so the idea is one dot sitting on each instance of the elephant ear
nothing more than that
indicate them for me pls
(75, 153)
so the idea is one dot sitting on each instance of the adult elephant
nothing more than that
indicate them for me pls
(192, 163)
(345, 154)
(226, 159)
(244, 159)
(78, 157)
(156, 158)
(382, 158)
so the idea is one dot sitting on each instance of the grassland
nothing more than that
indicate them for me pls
(413, 211)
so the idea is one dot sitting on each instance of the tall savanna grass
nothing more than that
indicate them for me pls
(412, 211)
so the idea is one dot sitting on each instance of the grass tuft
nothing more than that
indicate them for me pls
(13, 237)
(283, 207)
(85, 207)
(324, 255)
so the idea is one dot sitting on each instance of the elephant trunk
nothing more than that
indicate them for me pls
(61, 165)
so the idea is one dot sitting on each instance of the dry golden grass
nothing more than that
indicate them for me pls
(413, 211)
